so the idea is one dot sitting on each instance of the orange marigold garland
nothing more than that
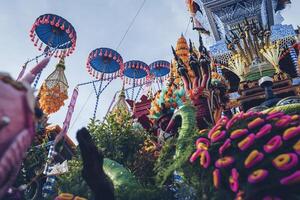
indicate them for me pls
(54, 92)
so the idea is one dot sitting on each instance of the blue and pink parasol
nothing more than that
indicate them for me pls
(53, 31)
(136, 71)
(105, 64)
(160, 70)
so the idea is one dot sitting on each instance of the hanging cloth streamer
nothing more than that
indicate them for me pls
(68, 118)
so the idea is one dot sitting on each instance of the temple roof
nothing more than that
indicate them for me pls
(278, 32)
(121, 104)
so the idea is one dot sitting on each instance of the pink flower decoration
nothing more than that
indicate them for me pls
(216, 178)
(292, 179)
(264, 131)
(256, 122)
(238, 133)
(273, 144)
(253, 158)
(258, 176)
(274, 115)
(284, 121)
(233, 120)
(225, 146)
(203, 140)
(247, 142)
(205, 159)
(214, 129)
(224, 162)
(291, 132)
(234, 173)
(218, 136)
(223, 120)
(195, 155)
(234, 184)
(285, 162)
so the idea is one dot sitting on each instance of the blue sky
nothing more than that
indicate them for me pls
(98, 23)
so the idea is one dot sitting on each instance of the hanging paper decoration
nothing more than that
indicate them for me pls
(105, 64)
(195, 10)
(136, 71)
(160, 69)
(54, 92)
(52, 31)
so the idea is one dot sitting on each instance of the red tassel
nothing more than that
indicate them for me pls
(43, 20)
(68, 30)
(62, 27)
(101, 52)
(56, 54)
(52, 21)
(32, 29)
(106, 53)
(37, 22)
(60, 54)
(57, 23)
(71, 35)
(40, 48)
(47, 19)
(36, 42)
(110, 55)
(68, 52)
(33, 37)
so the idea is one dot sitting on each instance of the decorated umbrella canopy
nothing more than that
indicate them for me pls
(54, 92)
(137, 73)
(53, 31)
(160, 69)
(105, 65)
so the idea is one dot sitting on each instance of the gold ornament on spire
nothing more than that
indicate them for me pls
(121, 108)
(182, 50)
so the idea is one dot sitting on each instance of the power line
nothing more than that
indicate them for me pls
(120, 43)
(131, 24)
(187, 28)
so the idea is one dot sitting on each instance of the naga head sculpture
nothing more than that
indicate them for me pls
(200, 91)
(17, 127)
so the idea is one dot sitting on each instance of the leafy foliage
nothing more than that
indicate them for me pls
(118, 139)
(166, 165)
(72, 181)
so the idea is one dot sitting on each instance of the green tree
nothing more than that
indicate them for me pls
(118, 138)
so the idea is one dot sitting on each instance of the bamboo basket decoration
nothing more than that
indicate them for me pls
(54, 92)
